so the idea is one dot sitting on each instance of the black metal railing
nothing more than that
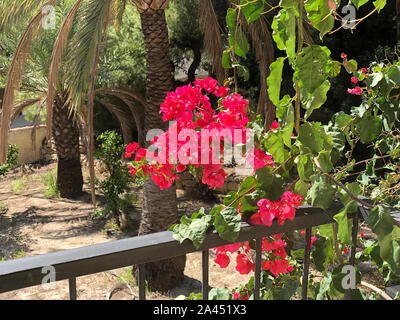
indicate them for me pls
(73, 263)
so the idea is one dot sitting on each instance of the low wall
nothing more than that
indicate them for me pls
(21, 137)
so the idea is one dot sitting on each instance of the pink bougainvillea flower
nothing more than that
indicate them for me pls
(141, 153)
(362, 234)
(236, 295)
(244, 265)
(332, 5)
(180, 167)
(277, 267)
(130, 149)
(354, 79)
(343, 55)
(363, 70)
(222, 260)
(274, 125)
(259, 159)
(312, 241)
(255, 219)
(357, 91)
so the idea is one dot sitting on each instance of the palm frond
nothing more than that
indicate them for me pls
(263, 46)
(57, 54)
(119, 9)
(134, 101)
(13, 12)
(14, 79)
(212, 37)
(83, 51)
(124, 117)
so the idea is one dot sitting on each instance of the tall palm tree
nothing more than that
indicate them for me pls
(159, 207)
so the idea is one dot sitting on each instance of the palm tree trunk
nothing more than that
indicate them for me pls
(159, 207)
(66, 139)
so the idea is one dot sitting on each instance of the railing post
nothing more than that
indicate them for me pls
(257, 269)
(72, 288)
(306, 264)
(142, 281)
(205, 273)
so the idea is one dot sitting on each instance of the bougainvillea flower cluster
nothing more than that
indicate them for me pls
(273, 248)
(197, 135)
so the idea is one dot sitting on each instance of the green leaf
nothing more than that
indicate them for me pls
(324, 286)
(322, 253)
(335, 69)
(227, 224)
(319, 13)
(242, 45)
(301, 188)
(359, 3)
(231, 20)
(368, 128)
(247, 184)
(226, 60)
(344, 226)
(274, 80)
(195, 231)
(284, 31)
(322, 192)
(312, 67)
(350, 66)
(324, 159)
(314, 100)
(219, 294)
(230, 197)
(275, 146)
(286, 123)
(252, 10)
(314, 137)
(305, 167)
(271, 184)
(379, 4)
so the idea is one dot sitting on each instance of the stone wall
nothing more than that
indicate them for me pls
(29, 153)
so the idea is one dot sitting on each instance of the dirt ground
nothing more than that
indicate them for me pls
(35, 224)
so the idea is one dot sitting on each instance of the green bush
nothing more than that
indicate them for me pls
(12, 157)
(117, 182)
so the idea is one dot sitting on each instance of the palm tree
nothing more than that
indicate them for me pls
(61, 121)
(64, 129)
(159, 207)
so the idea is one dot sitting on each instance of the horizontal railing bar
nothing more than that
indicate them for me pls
(72, 263)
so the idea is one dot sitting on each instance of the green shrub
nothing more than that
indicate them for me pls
(117, 182)
(12, 157)
(50, 181)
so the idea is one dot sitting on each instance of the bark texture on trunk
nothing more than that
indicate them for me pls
(159, 207)
(66, 139)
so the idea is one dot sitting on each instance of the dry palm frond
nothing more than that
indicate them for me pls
(19, 106)
(212, 37)
(135, 102)
(112, 90)
(124, 117)
(264, 50)
(57, 54)
(14, 79)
